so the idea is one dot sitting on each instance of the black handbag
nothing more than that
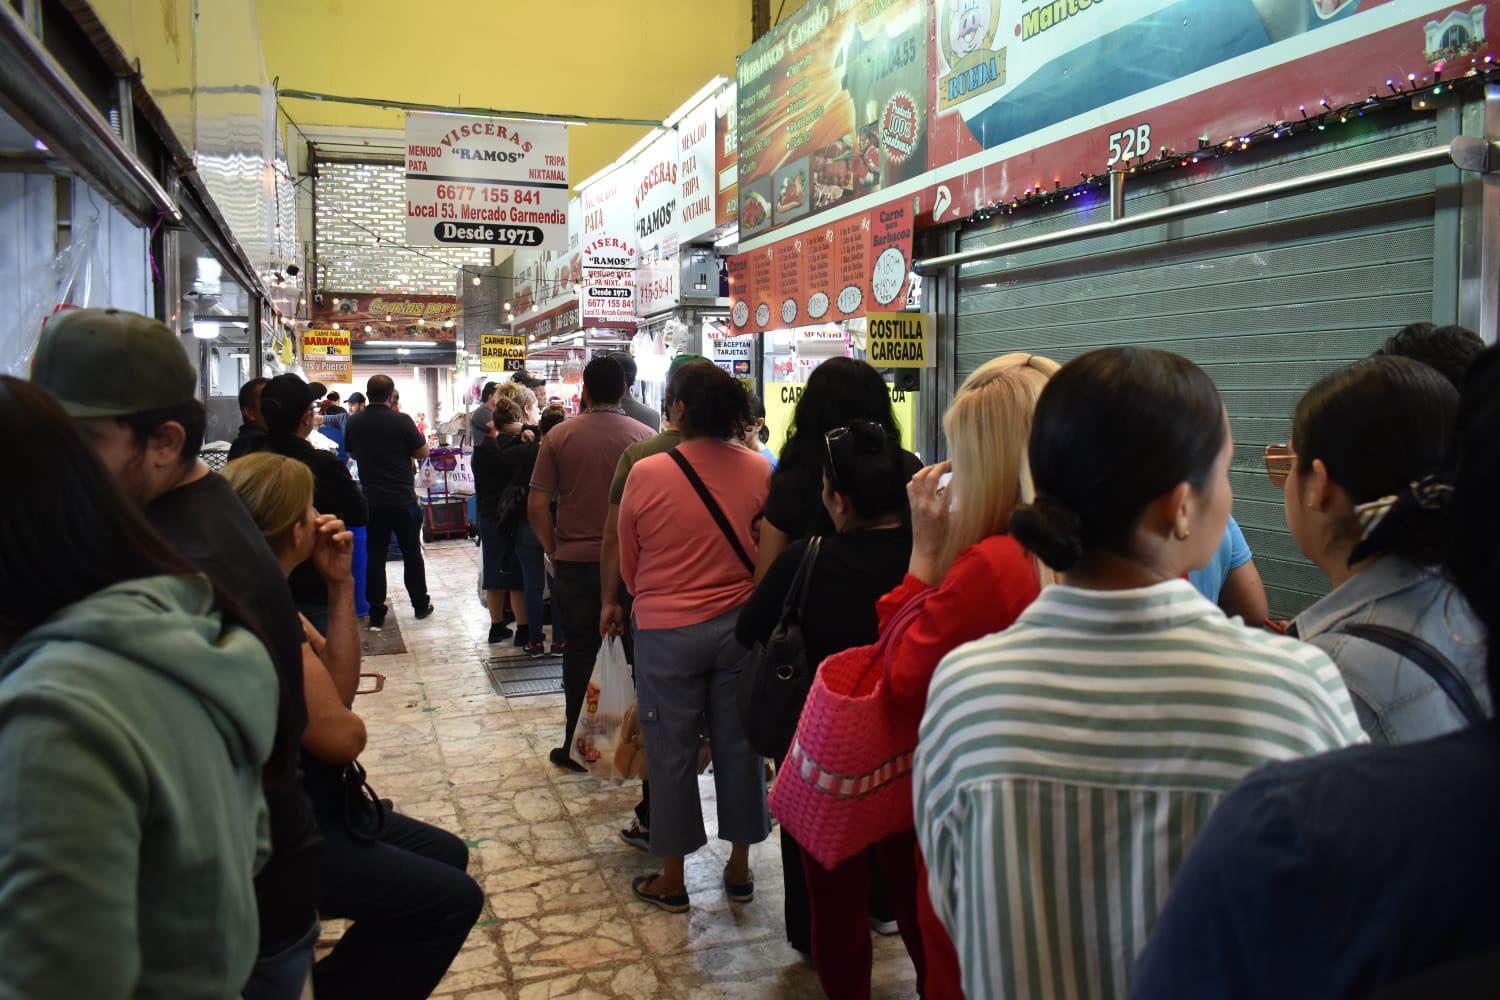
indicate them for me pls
(774, 686)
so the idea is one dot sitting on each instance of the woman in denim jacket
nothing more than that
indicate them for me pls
(1366, 502)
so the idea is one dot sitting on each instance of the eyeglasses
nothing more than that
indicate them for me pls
(837, 434)
(1279, 458)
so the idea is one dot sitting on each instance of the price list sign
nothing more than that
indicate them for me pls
(486, 182)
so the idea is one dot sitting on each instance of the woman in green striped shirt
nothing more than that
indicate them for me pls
(1066, 764)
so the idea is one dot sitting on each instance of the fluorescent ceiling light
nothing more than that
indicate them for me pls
(400, 343)
(205, 331)
(706, 91)
(729, 239)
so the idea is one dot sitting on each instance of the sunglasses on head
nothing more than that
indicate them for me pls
(1279, 458)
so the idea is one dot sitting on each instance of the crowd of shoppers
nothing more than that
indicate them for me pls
(162, 688)
(1126, 779)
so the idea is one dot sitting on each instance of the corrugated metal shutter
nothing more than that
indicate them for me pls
(1267, 298)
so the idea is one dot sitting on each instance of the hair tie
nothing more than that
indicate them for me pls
(1380, 520)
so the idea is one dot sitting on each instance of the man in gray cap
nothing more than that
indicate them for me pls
(127, 382)
(634, 407)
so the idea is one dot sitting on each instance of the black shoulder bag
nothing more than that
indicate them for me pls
(1433, 663)
(774, 685)
(714, 510)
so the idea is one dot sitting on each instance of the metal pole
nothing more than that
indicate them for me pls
(1339, 175)
(291, 93)
(257, 346)
(1488, 325)
(1116, 196)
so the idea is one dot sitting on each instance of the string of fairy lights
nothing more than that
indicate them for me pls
(1418, 92)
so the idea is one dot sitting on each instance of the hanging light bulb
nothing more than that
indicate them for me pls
(369, 329)
(475, 281)
(335, 325)
(507, 307)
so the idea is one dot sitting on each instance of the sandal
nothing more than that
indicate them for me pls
(740, 892)
(672, 904)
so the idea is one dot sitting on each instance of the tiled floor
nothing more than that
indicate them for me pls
(560, 919)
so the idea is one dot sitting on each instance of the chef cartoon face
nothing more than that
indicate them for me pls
(968, 25)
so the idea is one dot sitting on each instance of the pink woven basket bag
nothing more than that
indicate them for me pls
(846, 782)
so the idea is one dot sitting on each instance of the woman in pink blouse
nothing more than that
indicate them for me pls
(689, 522)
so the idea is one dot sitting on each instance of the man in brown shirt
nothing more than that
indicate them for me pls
(575, 466)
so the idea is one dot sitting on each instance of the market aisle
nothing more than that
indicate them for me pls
(560, 919)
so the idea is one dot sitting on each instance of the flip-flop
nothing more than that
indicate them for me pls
(672, 904)
(740, 892)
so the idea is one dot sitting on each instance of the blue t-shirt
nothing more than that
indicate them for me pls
(1334, 875)
(1233, 553)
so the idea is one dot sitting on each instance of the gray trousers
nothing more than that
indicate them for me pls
(683, 674)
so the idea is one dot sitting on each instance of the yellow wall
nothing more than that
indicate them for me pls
(624, 58)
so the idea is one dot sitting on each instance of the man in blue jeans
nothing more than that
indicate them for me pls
(385, 443)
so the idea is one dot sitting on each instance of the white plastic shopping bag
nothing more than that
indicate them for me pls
(610, 695)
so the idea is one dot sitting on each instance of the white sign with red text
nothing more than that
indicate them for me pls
(486, 182)
(610, 249)
(656, 213)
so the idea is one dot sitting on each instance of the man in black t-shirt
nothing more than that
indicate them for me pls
(286, 406)
(252, 434)
(385, 443)
(128, 383)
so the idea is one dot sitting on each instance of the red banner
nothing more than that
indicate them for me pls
(838, 272)
(390, 317)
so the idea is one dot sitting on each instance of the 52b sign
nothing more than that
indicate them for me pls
(1129, 144)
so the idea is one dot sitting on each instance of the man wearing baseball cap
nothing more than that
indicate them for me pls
(287, 407)
(127, 382)
(527, 379)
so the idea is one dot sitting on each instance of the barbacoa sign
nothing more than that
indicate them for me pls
(502, 352)
(901, 340)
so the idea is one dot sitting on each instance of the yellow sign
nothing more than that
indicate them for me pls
(901, 340)
(502, 352)
(781, 405)
(326, 356)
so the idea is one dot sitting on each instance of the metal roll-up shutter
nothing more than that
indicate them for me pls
(1267, 298)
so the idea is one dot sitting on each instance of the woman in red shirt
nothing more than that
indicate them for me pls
(979, 578)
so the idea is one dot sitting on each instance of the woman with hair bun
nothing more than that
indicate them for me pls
(1367, 501)
(1066, 764)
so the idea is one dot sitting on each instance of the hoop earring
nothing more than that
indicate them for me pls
(1184, 536)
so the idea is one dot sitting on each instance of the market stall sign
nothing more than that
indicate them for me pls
(501, 352)
(733, 354)
(657, 203)
(781, 405)
(390, 317)
(838, 272)
(832, 105)
(726, 159)
(326, 356)
(901, 339)
(610, 250)
(696, 184)
(474, 181)
(563, 318)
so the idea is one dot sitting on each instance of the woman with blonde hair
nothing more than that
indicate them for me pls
(977, 578)
(401, 881)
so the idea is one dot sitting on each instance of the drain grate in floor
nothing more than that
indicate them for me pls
(513, 677)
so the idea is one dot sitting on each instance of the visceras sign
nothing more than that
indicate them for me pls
(486, 182)
(655, 203)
